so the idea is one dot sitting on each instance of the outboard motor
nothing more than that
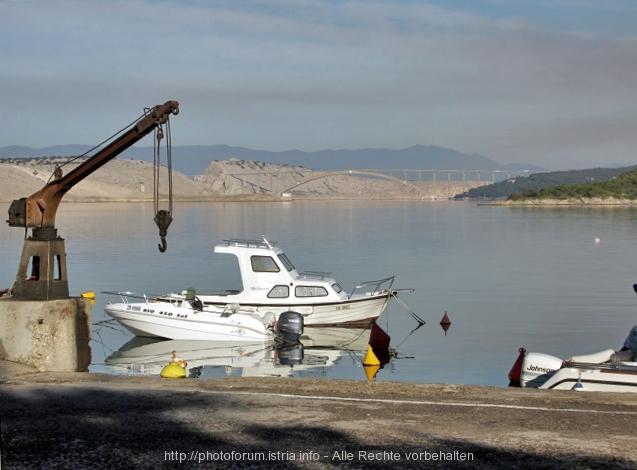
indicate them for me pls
(290, 354)
(289, 327)
(537, 368)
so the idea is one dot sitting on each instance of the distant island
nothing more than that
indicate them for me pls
(526, 186)
(621, 190)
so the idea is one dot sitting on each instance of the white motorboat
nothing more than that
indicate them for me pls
(185, 317)
(271, 286)
(605, 371)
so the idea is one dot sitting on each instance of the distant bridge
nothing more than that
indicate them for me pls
(406, 176)
(388, 174)
(373, 173)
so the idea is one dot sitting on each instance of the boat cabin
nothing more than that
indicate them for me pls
(267, 274)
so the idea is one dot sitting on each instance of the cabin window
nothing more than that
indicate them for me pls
(279, 292)
(337, 288)
(286, 262)
(264, 264)
(310, 291)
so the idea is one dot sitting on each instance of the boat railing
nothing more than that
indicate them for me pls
(374, 287)
(316, 275)
(246, 243)
(630, 367)
(124, 296)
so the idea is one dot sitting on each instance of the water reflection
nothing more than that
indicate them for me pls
(318, 350)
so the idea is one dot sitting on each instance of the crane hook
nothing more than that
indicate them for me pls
(164, 245)
(163, 220)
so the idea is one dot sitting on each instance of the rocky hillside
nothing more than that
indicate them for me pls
(119, 180)
(132, 180)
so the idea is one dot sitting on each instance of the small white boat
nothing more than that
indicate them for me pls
(603, 371)
(185, 317)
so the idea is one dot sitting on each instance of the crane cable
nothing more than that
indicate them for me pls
(163, 217)
(58, 173)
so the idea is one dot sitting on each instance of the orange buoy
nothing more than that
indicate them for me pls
(516, 370)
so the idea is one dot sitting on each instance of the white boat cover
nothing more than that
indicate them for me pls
(594, 358)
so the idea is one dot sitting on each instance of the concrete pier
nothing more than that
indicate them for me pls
(48, 335)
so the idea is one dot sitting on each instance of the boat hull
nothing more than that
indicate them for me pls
(350, 313)
(601, 379)
(169, 322)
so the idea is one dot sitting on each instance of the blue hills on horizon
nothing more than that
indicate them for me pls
(194, 159)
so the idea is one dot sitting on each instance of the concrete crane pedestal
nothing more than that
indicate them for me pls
(49, 335)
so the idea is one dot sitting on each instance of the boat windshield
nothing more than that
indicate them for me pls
(263, 264)
(286, 262)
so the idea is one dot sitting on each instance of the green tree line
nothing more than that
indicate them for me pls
(622, 187)
(595, 182)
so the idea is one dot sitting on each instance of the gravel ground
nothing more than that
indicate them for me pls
(100, 421)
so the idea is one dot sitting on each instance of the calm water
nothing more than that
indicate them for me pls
(507, 278)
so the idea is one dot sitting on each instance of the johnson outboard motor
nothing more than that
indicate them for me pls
(289, 327)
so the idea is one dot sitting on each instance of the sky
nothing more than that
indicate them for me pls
(545, 82)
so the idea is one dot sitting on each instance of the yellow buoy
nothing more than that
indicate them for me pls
(370, 371)
(173, 371)
(370, 358)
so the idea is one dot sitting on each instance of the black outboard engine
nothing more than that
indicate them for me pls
(290, 354)
(289, 327)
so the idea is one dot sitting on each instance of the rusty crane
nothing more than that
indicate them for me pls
(44, 249)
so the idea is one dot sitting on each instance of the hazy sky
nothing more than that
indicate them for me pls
(546, 82)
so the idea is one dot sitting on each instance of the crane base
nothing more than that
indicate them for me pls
(47, 278)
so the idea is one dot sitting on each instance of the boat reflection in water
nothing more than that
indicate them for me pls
(318, 349)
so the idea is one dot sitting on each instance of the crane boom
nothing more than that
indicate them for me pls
(39, 209)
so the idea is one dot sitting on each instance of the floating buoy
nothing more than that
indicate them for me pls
(370, 358)
(378, 339)
(445, 323)
(598, 240)
(176, 369)
(516, 370)
(173, 371)
(371, 364)
(370, 371)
